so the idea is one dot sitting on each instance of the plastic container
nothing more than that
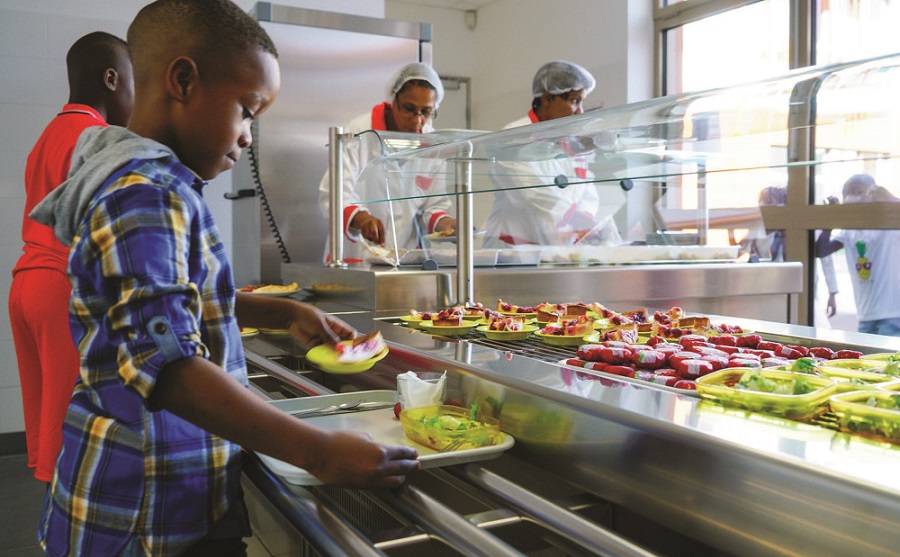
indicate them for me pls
(718, 386)
(448, 428)
(850, 379)
(519, 255)
(846, 378)
(872, 366)
(858, 415)
(892, 385)
(881, 356)
(480, 257)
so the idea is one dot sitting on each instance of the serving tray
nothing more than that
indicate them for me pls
(381, 424)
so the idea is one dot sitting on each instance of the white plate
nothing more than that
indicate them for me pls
(382, 426)
(281, 294)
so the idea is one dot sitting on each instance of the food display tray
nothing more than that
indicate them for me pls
(715, 387)
(381, 424)
(857, 416)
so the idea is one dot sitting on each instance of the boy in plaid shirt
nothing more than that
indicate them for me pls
(151, 444)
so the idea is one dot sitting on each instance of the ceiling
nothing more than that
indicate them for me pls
(462, 5)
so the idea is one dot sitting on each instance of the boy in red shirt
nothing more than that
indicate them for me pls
(101, 92)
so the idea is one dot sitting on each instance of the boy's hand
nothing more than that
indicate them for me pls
(313, 327)
(351, 459)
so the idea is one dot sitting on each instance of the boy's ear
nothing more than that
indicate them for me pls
(110, 79)
(181, 78)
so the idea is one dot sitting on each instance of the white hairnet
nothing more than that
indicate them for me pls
(558, 77)
(416, 70)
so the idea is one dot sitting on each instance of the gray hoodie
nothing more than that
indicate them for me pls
(100, 151)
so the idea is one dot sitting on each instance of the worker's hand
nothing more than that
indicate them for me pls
(371, 228)
(313, 327)
(352, 459)
(832, 200)
(446, 223)
(831, 307)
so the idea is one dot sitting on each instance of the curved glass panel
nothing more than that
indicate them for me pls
(684, 169)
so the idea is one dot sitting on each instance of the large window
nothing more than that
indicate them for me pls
(848, 30)
(705, 44)
(736, 46)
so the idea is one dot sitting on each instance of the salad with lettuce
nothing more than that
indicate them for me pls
(753, 380)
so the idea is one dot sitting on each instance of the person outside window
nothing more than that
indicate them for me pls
(872, 258)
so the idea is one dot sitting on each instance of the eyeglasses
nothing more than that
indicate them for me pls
(413, 112)
(575, 101)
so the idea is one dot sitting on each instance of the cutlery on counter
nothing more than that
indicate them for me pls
(356, 405)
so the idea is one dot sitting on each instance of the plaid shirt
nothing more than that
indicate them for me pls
(151, 284)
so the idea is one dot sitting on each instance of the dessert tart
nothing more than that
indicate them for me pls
(549, 313)
(450, 317)
(506, 324)
(360, 349)
(504, 307)
(576, 327)
(578, 308)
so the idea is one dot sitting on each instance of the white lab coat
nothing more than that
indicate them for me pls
(415, 178)
(548, 216)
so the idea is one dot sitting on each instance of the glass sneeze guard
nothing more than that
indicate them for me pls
(685, 171)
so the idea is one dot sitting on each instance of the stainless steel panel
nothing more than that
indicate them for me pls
(333, 68)
(741, 482)
(754, 291)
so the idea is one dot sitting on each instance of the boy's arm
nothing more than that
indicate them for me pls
(825, 246)
(305, 322)
(200, 392)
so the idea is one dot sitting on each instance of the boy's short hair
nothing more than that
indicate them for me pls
(209, 31)
(93, 53)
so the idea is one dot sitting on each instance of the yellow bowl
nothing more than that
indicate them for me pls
(412, 321)
(452, 331)
(507, 335)
(560, 340)
(325, 357)
(526, 315)
(449, 428)
(247, 332)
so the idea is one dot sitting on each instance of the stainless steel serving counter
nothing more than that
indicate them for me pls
(767, 291)
(616, 460)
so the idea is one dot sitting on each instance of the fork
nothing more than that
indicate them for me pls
(332, 408)
(453, 445)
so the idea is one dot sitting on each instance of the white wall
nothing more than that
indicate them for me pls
(512, 38)
(613, 39)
